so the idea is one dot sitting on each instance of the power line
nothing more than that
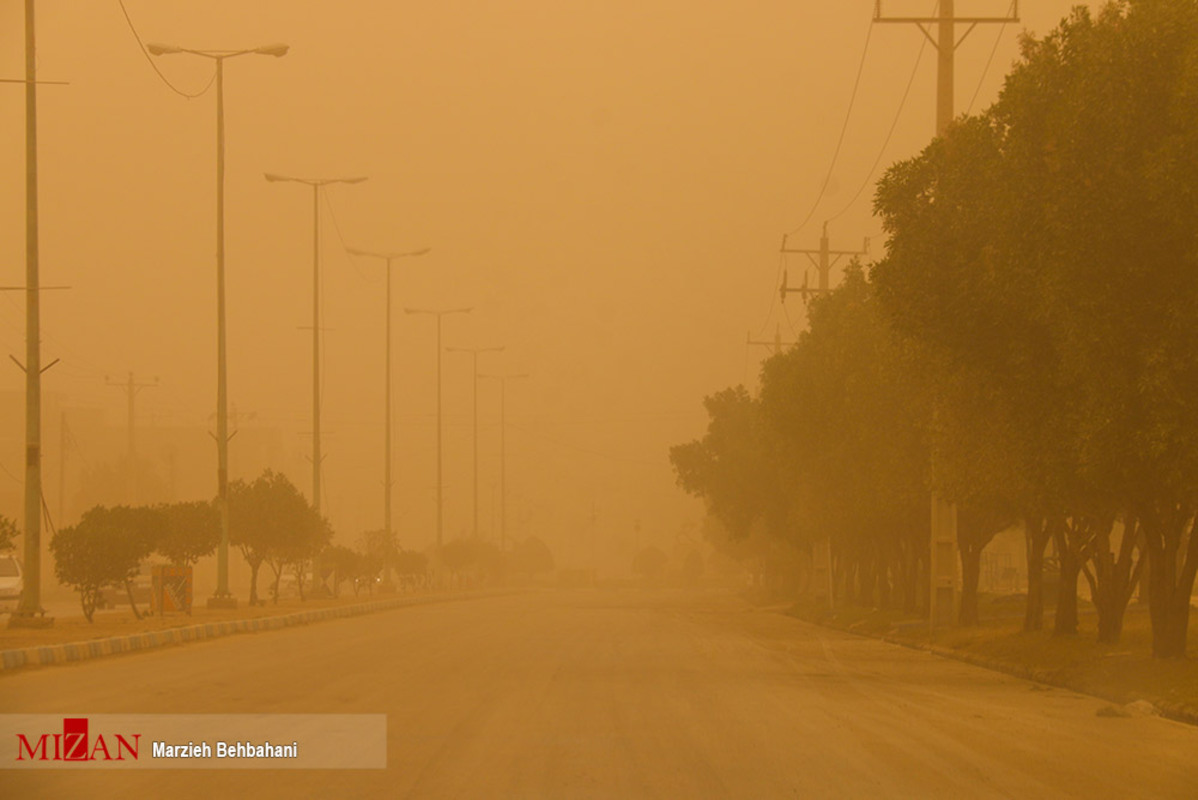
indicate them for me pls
(843, 130)
(141, 46)
(345, 248)
(997, 39)
(890, 133)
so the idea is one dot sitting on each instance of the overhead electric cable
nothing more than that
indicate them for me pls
(141, 46)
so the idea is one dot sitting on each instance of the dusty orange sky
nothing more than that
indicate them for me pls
(606, 183)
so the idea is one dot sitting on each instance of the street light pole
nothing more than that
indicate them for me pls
(390, 259)
(316, 184)
(222, 598)
(440, 482)
(474, 351)
(503, 379)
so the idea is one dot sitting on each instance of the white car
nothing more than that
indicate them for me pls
(12, 582)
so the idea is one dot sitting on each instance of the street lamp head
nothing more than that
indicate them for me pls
(347, 180)
(156, 49)
(276, 50)
(272, 177)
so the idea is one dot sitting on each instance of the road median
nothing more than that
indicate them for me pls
(48, 646)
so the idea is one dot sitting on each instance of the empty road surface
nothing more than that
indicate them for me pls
(618, 694)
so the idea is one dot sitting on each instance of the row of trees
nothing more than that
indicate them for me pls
(269, 522)
(1026, 348)
(108, 545)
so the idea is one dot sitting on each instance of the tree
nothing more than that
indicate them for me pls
(1046, 250)
(189, 531)
(847, 415)
(345, 564)
(730, 466)
(532, 557)
(272, 523)
(105, 549)
(380, 549)
(411, 566)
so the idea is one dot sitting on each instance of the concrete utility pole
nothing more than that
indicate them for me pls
(440, 482)
(823, 259)
(131, 388)
(775, 345)
(390, 259)
(503, 379)
(943, 557)
(30, 604)
(316, 184)
(474, 351)
(222, 598)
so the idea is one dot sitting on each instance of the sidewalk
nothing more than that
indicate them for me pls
(1124, 673)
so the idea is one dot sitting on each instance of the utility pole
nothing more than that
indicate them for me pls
(942, 566)
(29, 607)
(131, 388)
(315, 184)
(474, 351)
(823, 259)
(440, 474)
(503, 379)
(775, 345)
(390, 259)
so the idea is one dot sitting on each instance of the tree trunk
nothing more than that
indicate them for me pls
(299, 579)
(1066, 619)
(90, 598)
(254, 567)
(1170, 581)
(1114, 579)
(1037, 534)
(129, 594)
(971, 570)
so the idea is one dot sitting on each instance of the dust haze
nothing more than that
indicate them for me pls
(571, 603)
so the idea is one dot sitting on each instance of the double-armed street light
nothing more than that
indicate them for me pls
(390, 259)
(474, 351)
(316, 184)
(223, 597)
(439, 314)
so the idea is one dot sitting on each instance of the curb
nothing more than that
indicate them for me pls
(1177, 712)
(46, 655)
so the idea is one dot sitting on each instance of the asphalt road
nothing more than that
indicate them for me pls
(619, 695)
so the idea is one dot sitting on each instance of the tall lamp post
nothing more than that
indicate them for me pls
(440, 484)
(390, 259)
(503, 379)
(223, 598)
(316, 184)
(474, 351)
